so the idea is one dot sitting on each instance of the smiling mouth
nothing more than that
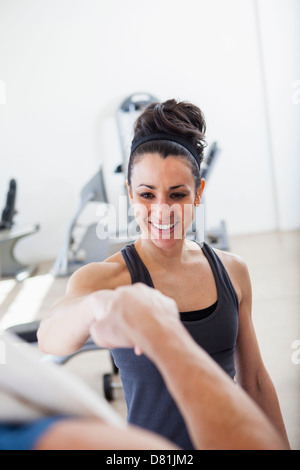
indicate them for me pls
(162, 226)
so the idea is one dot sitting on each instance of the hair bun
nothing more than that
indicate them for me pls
(176, 118)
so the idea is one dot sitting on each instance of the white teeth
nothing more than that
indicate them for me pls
(163, 227)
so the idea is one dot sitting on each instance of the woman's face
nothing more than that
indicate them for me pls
(163, 195)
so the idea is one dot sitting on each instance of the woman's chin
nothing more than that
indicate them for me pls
(162, 238)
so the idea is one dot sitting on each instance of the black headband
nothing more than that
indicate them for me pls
(172, 138)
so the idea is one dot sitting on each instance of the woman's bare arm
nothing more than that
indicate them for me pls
(65, 328)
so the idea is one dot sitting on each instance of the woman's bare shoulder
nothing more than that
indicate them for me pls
(107, 274)
(237, 269)
(231, 260)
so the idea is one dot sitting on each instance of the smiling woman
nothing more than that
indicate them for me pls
(169, 140)
(211, 288)
(163, 210)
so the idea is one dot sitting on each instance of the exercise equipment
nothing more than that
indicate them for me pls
(217, 236)
(126, 116)
(10, 235)
(9, 265)
(70, 256)
(9, 211)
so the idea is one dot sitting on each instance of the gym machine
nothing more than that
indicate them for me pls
(9, 236)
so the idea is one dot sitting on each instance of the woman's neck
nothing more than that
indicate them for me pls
(167, 256)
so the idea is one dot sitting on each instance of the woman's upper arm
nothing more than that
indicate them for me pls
(247, 357)
(85, 280)
(82, 282)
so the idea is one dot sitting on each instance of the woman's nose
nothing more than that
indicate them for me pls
(162, 211)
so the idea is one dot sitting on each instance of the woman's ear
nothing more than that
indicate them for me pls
(199, 193)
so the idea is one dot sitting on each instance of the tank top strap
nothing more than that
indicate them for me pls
(139, 272)
(136, 267)
(222, 279)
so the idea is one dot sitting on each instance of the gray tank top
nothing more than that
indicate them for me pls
(149, 403)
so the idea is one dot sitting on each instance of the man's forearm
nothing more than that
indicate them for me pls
(218, 413)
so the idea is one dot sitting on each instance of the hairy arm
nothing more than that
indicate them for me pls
(223, 417)
(88, 434)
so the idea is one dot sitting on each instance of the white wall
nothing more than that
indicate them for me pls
(280, 40)
(67, 65)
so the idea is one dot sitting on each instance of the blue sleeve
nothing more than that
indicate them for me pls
(24, 436)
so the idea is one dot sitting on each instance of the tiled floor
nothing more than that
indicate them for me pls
(273, 260)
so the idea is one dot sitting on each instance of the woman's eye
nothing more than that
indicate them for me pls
(147, 195)
(177, 195)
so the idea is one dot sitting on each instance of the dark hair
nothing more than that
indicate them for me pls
(182, 119)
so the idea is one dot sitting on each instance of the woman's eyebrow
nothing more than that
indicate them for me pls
(147, 186)
(170, 188)
(178, 186)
